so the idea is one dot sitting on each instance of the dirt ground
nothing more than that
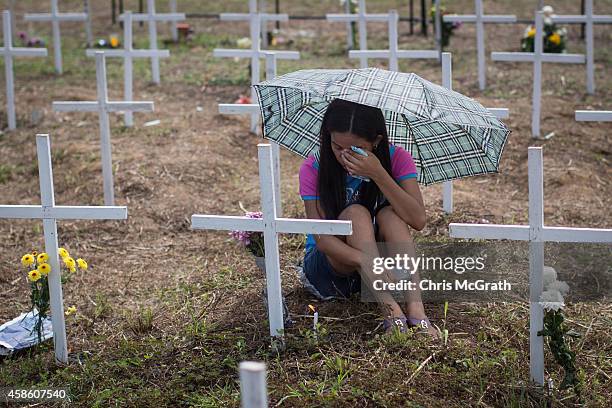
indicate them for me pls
(166, 313)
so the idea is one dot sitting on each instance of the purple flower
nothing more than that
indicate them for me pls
(22, 35)
(254, 214)
(244, 237)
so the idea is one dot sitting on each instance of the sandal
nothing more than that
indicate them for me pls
(420, 323)
(398, 323)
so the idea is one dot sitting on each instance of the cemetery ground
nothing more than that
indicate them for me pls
(165, 314)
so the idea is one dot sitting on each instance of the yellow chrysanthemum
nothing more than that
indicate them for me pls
(63, 253)
(82, 264)
(44, 268)
(531, 33)
(42, 257)
(72, 269)
(27, 259)
(35, 253)
(70, 310)
(69, 262)
(34, 275)
(555, 38)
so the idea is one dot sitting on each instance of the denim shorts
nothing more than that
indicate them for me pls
(319, 277)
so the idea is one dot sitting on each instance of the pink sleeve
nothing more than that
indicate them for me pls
(309, 180)
(402, 165)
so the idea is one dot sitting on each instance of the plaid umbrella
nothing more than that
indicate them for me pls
(449, 135)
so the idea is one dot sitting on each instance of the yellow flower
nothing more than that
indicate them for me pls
(42, 257)
(555, 38)
(72, 269)
(70, 310)
(34, 275)
(114, 41)
(531, 33)
(44, 268)
(34, 253)
(69, 262)
(27, 259)
(63, 253)
(82, 264)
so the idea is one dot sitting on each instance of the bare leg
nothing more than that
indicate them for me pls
(364, 240)
(396, 235)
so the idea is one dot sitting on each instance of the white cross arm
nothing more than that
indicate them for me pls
(416, 54)
(500, 113)
(61, 212)
(238, 108)
(26, 52)
(130, 106)
(131, 53)
(283, 225)
(564, 234)
(156, 17)
(593, 116)
(570, 18)
(80, 106)
(347, 18)
(224, 53)
(226, 222)
(489, 231)
(545, 57)
(90, 106)
(56, 17)
(521, 233)
(247, 17)
(471, 18)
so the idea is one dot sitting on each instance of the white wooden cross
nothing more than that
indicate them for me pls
(499, 113)
(253, 388)
(588, 19)
(350, 38)
(480, 19)
(393, 54)
(255, 54)
(151, 17)
(537, 58)
(103, 106)
(362, 18)
(254, 14)
(271, 225)
(438, 26)
(536, 233)
(88, 31)
(55, 17)
(8, 52)
(593, 116)
(173, 25)
(128, 53)
(254, 109)
(50, 213)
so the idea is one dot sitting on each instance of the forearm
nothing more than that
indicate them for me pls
(405, 205)
(336, 248)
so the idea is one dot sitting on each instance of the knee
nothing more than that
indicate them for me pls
(355, 212)
(390, 225)
(358, 214)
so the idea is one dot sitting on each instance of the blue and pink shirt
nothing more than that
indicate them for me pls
(402, 168)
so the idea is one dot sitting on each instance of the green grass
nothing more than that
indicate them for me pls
(180, 343)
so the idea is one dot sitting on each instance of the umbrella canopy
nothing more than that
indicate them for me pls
(449, 135)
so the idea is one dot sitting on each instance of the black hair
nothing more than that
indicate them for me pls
(365, 122)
